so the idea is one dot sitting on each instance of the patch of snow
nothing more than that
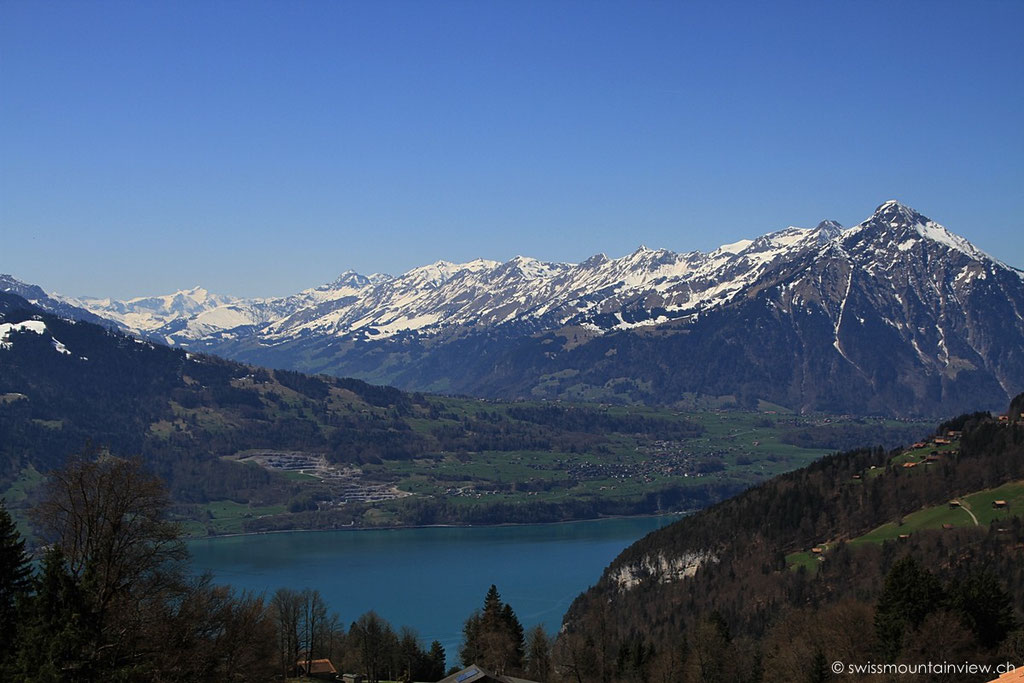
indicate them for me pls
(734, 247)
(37, 326)
(937, 233)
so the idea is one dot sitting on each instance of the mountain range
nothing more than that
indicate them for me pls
(895, 315)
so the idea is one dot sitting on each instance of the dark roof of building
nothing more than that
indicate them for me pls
(477, 674)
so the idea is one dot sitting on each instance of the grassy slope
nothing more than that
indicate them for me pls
(980, 503)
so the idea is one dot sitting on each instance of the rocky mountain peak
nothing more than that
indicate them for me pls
(350, 278)
(828, 229)
(894, 214)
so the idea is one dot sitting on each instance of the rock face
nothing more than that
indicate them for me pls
(659, 568)
(895, 315)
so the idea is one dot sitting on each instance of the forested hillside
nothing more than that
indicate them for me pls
(249, 449)
(837, 561)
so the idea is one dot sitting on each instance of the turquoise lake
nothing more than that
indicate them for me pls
(433, 578)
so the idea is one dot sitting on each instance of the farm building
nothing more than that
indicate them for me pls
(476, 674)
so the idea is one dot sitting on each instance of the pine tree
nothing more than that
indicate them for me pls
(53, 639)
(538, 660)
(15, 573)
(436, 657)
(911, 592)
(493, 638)
(987, 608)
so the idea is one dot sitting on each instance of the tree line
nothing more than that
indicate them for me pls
(112, 599)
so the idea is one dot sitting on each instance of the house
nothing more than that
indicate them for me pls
(999, 504)
(940, 441)
(904, 537)
(477, 674)
(817, 550)
(947, 527)
(908, 465)
(919, 444)
(953, 504)
(318, 668)
(954, 434)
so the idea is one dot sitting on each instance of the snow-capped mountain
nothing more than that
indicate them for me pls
(444, 296)
(52, 304)
(823, 302)
(194, 308)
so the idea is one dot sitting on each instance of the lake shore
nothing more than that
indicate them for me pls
(434, 526)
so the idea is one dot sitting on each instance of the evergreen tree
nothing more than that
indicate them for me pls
(515, 634)
(987, 609)
(910, 594)
(54, 639)
(819, 672)
(436, 659)
(15, 573)
(493, 638)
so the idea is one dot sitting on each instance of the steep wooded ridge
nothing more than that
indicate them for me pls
(785, 578)
(895, 315)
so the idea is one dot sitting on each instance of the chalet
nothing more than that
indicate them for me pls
(904, 537)
(817, 550)
(954, 434)
(931, 457)
(919, 444)
(999, 504)
(318, 668)
(953, 504)
(947, 527)
(477, 674)
(908, 465)
(940, 441)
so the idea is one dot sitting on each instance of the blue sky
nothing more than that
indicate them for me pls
(261, 148)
